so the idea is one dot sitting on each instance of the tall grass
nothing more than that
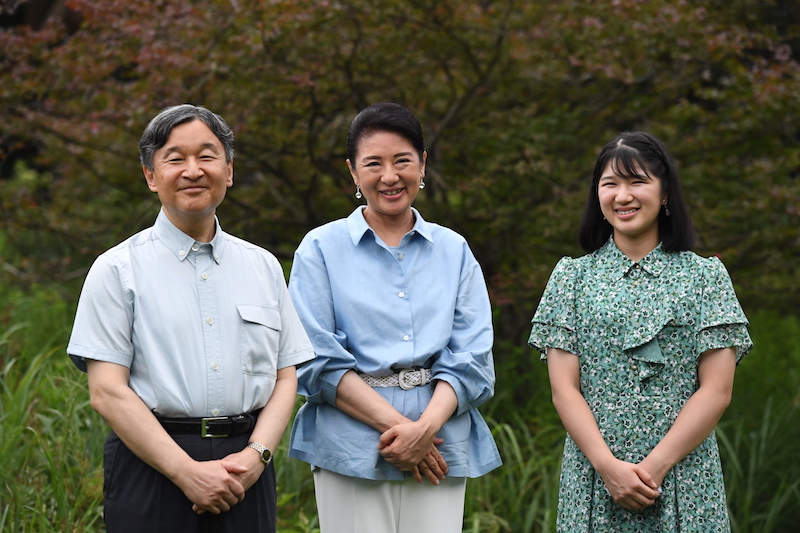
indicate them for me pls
(51, 441)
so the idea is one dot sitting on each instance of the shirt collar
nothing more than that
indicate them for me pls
(181, 244)
(617, 264)
(358, 227)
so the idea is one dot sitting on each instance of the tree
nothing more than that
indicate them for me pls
(516, 99)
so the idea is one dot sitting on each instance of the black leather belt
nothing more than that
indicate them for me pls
(210, 427)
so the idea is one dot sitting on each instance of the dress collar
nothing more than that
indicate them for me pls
(181, 244)
(616, 264)
(358, 227)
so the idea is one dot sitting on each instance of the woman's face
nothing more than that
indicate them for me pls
(388, 169)
(631, 205)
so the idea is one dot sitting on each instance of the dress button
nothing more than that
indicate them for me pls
(401, 294)
(635, 283)
(406, 337)
(633, 367)
(204, 275)
(210, 320)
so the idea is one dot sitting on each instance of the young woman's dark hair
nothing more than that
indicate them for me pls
(632, 153)
(386, 117)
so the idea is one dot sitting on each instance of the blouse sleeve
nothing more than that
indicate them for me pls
(722, 321)
(554, 321)
(466, 363)
(310, 290)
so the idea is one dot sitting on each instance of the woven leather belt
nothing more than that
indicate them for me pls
(211, 427)
(406, 379)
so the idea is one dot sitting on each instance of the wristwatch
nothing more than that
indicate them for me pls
(266, 455)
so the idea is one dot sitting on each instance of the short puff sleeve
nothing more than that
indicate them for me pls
(554, 321)
(723, 323)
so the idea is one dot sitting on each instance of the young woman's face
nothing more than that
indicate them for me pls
(388, 169)
(631, 204)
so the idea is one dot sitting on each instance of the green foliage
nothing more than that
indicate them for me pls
(516, 99)
(51, 440)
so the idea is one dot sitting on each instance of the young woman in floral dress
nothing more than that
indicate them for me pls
(641, 337)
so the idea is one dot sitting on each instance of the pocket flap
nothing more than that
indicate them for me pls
(266, 316)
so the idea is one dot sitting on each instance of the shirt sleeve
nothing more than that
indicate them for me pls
(466, 363)
(310, 290)
(554, 320)
(295, 346)
(723, 323)
(104, 318)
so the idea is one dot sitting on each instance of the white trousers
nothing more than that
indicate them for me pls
(352, 505)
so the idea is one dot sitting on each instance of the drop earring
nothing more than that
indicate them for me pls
(666, 209)
(358, 192)
(421, 182)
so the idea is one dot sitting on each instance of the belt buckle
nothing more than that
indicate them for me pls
(205, 431)
(401, 379)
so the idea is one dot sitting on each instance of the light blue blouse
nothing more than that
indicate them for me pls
(373, 308)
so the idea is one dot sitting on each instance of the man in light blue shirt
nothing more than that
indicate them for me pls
(190, 342)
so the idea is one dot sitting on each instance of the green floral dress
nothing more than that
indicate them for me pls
(639, 330)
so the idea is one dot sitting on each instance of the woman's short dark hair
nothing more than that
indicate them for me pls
(385, 117)
(158, 130)
(632, 153)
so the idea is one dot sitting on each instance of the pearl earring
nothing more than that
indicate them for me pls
(358, 192)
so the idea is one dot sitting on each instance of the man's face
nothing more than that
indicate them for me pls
(190, 174)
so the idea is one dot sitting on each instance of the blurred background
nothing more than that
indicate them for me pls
(516, 99)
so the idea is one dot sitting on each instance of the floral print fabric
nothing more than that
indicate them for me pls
(639, 330)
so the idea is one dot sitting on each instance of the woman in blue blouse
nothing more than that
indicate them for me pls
(398, 313)
(641, 339)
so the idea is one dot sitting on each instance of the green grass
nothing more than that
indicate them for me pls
(51, 441)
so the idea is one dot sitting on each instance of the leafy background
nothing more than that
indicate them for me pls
(516, 99)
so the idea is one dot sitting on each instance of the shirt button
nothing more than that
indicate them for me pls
(195, 248)
(406, 337)
(401, 294)
(204, 275)
(215, 366)
(182, 253)
(216, 256)
(401, 256)
(209, 320)
(215, 412)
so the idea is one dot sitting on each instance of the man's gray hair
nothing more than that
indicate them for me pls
(158, 131)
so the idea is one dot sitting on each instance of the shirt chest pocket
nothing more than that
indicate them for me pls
(259, 339)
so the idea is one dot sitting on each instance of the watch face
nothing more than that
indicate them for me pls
(266, 456)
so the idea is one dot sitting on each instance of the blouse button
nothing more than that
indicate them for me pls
(633, 367)
(635, 283)
(406, 337)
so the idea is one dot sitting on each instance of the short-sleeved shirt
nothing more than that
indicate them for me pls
(639, 329)
(376, 309)
(203, 327)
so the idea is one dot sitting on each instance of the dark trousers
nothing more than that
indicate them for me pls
(139, 499)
